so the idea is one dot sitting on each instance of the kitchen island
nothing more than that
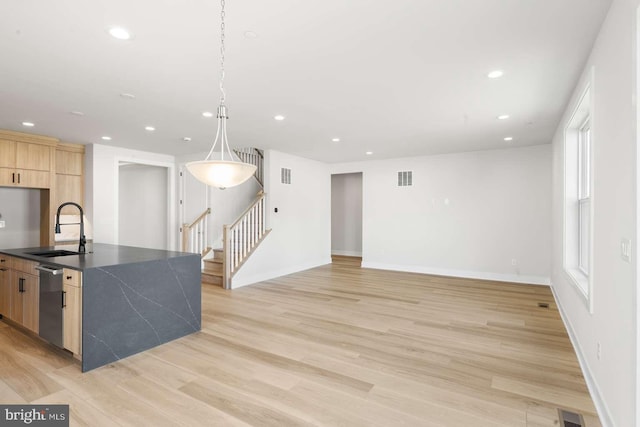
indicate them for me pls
(133, 299)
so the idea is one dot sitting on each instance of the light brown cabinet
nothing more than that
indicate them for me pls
(69, 176)
(44, 163)
(5, 286)
(72, 311)
(24, 293)
(25, 164)
(25, 299)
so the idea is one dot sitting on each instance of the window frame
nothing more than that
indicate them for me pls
(578, 197)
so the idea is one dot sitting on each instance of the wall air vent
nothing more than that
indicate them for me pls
(285, 176)
(405, 179)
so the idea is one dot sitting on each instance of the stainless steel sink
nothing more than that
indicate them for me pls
(53, 253)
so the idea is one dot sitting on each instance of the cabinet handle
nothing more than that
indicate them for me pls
(13, 177)
(64, 299)
(2, 260)
(18, 178)
(3, 269)
(69, 277)
(21, 285)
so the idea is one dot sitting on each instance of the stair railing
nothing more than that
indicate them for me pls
(242, 237)
(255, 157)
(195, 236)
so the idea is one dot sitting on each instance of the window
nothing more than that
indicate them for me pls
(578, 178)
(584, 195)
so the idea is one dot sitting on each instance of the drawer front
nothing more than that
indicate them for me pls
(25, 266)
(5, 262)
(72, 278)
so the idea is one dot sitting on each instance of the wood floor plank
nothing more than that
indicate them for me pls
(336, 345)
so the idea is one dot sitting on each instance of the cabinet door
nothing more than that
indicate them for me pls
(7, 176)
(5, 291)
(7, 154)
(72, 318)
(31, 302)
(33, 156)
(15, 298)
(33, 178)
(69, 163)
(69, 189)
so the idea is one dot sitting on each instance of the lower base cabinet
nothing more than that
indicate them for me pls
(5, 288)
(72, 311)
(25, 300)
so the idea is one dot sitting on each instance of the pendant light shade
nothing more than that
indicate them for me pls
(221, 173)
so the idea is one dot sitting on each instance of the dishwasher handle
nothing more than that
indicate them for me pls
(48, 269)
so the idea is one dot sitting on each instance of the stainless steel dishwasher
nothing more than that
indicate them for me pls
(51, 304)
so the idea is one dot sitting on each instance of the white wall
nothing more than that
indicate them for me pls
(101, 197)
(143, 215)
(346, 214)
(613, 323)
(301, 236)
(20, 209)
(466, 215)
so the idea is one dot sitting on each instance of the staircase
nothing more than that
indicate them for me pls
(240, 239)
(213, 270)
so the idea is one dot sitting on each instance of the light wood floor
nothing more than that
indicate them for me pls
(335, 345)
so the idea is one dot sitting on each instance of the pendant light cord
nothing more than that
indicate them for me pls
(222, 14)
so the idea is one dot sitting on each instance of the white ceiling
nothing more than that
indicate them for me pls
(399, 78)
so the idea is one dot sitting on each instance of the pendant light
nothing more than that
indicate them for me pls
(228, 172)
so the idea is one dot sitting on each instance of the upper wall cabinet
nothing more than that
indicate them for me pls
(69, 176)
(25, 160)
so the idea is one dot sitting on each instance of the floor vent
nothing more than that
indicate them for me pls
(570, 419)
(543, 304)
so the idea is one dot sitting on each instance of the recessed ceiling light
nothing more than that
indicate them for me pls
(368, 153)
(508, 138)
(250, 34)
(119, 33)
(106, 138)
(279, 117)
(186, 139)
(207, 114)
(28, 124)
(128, 95)
(76, 113)
(503, 117)
(335, 139)
(149, 128)
(495, 74)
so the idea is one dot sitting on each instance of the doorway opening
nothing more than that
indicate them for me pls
(346, 218)
(143, 205)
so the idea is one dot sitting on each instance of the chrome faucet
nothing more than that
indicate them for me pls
(83, 239)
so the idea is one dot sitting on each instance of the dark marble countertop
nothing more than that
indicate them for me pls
(98, 255)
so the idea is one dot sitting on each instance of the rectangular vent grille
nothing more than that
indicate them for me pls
(405, 178)
(570, 419)
(285, 176)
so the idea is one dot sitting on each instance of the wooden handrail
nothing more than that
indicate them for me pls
(195, 235)
(200, 218)
(241, 238)
(246, 211)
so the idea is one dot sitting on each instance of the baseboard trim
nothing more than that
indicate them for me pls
(603, 410)
(481, 275)
(346, 253)
(240, 281)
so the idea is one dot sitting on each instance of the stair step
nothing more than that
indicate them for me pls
(212, 267)
(211, 279)
(218, 253)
